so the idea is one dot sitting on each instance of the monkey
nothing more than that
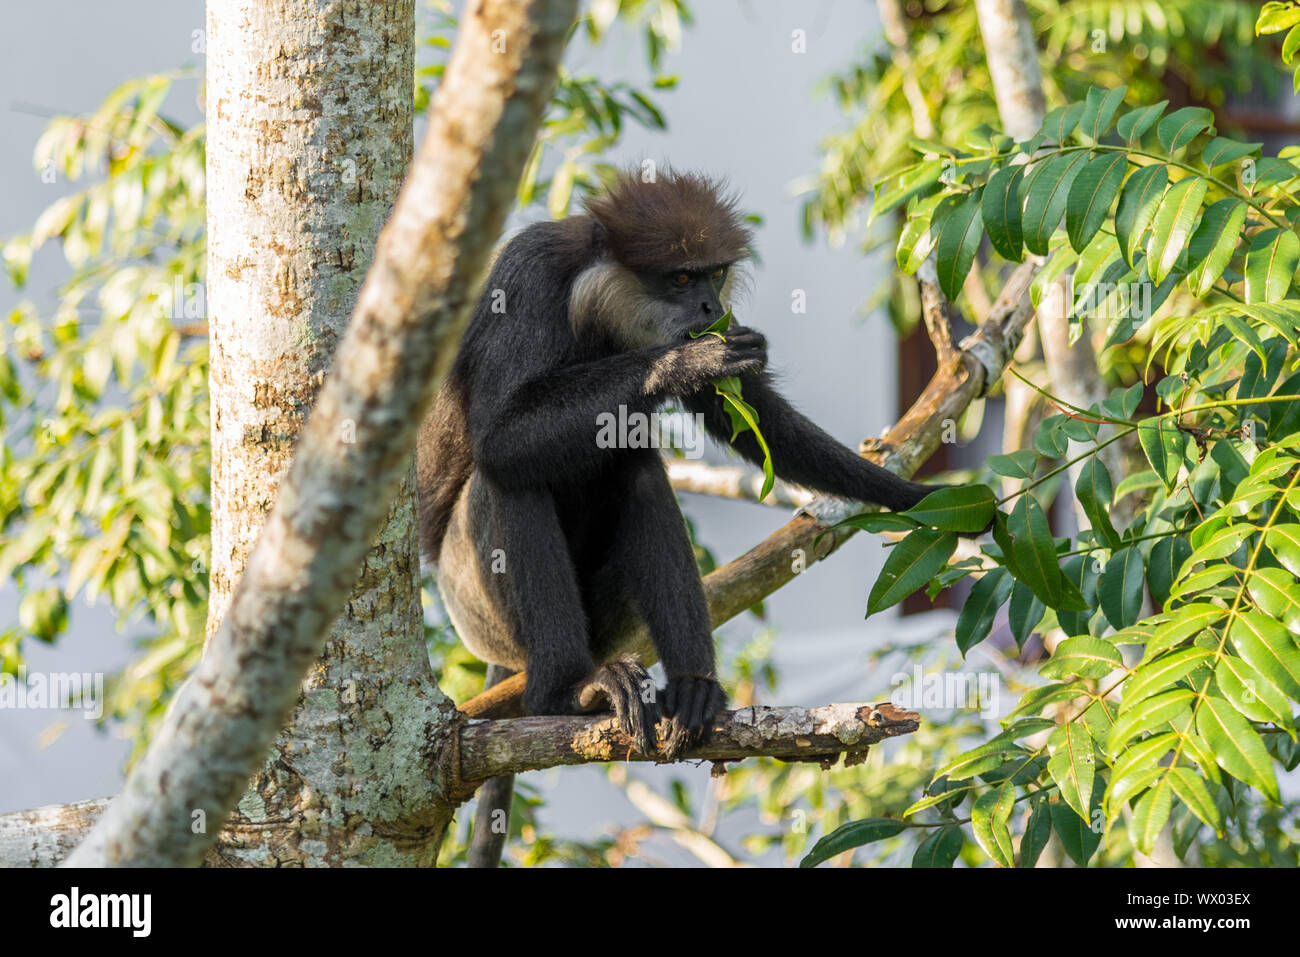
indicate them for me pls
(546, 543)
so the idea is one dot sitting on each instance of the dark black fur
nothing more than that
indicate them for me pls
(592, 538)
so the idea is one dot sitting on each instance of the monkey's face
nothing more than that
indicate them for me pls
(692, 298)
(639, 309)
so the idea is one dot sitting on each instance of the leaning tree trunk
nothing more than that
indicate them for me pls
(310, 134)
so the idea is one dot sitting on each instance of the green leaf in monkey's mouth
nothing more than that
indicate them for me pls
(744, 417)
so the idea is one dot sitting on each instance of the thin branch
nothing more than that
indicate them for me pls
(894, 22)
(494, 800)
(733, 481)
(667, 816)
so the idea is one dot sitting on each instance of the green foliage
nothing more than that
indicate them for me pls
(851, 835)
(1279, 17)
(587, 116)
(1166, 700)
(743, 416)
(104, 481)
(941, 96)
(1179, 217)
(1173, 689)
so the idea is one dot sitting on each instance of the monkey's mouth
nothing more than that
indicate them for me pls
(698, 329)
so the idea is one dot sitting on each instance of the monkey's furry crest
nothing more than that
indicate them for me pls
(678, 221)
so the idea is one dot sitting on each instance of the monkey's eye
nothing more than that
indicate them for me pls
(718, 273)
(682, 279)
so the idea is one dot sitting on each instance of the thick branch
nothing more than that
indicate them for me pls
(935, 310)
(492, 748)
(1012, 56)
(427, 273)
(44, 836)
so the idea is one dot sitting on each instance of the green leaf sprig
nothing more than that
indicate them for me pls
(743, 415)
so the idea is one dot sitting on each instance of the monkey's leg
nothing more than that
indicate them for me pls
(652, 553)
(492, 819)
(539, 588)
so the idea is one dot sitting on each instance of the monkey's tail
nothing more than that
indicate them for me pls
(492, 819)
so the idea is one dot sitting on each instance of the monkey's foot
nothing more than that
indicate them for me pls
(630, 693)
(690, 703)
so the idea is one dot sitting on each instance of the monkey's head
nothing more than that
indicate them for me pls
(666, 251)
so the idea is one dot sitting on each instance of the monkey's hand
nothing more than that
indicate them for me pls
(692, 366)
(690, 703)
(624, 687)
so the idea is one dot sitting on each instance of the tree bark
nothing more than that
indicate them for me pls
(44, 836)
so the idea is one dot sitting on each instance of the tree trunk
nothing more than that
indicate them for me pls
(310, 111)
(1012, 56)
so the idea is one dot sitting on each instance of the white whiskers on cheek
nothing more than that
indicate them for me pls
(736, 289)
(609, 297)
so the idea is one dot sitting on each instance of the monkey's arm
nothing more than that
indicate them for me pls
(557, 424)
(802, 452)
